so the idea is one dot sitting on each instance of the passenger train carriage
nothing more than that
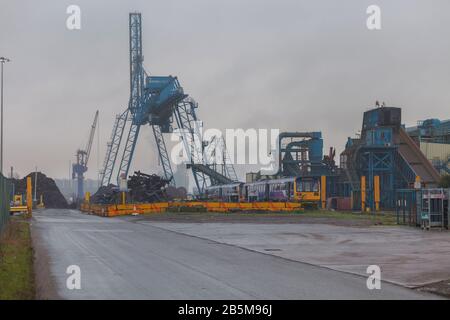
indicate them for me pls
(224, 192)
(296, 189)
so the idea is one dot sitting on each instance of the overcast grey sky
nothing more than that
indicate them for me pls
(293, 65)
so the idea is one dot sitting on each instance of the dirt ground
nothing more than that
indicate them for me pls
(441, 288)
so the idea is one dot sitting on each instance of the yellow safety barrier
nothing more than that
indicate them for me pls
(159, 207)
(18, 209)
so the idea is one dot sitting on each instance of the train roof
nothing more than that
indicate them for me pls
(230, 185)
(272, 181)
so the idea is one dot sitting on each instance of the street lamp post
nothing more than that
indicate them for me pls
(2, 61)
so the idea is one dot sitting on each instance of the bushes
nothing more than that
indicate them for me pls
(445, 181)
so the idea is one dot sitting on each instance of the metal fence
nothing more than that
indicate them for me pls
(428, 208)
(434, 208)
(5, 193)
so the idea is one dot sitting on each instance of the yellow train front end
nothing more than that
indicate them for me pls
(307, 191)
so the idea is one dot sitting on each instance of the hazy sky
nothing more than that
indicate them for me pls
(291, 65)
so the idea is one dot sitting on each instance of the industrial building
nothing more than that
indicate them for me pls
(386, 153)
(433, 138)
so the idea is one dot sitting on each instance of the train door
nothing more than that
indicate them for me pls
(290, 190)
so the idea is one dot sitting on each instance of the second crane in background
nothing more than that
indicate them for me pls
(82, 158)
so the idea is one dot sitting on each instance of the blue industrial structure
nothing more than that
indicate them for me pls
(385, 150)
(82, 157)
(156, 101)
(431, 130)
(301, 154)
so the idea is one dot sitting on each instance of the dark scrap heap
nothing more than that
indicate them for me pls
(106, 195)
(147, 188)
(45, 187)
(142, 188)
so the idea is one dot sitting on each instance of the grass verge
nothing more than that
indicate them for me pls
(344, 218)
(16, 261)
(382, 218)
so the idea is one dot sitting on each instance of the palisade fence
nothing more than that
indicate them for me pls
(5, 193)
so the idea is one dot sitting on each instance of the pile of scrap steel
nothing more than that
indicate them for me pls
(106, 195)
(147, 188)
(174, 193)
(45, 187)
(142, 188)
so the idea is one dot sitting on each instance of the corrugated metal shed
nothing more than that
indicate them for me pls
(435, 151)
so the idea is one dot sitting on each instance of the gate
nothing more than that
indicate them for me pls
(406, 207)
(4, 201)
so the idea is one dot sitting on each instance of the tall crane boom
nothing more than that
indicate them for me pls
(91, 138)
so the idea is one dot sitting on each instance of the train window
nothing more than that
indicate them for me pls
(307, 186)
(315, 186)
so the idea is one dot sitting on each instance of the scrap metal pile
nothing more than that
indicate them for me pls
(106, 195)
(147, 188)
(45, 187)
(142, 188)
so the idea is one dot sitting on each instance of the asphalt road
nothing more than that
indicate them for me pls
(120, 259)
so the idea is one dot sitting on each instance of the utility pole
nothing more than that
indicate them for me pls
(13, 186)
(98, 153)
(2, 61)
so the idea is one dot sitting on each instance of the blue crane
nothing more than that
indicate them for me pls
(82, 157)
(160, 102)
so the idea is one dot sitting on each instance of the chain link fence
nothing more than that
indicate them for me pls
(5, 193)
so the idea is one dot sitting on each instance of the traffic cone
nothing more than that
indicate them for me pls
(135, 213)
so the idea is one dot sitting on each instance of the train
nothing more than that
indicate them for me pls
(295, 189)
